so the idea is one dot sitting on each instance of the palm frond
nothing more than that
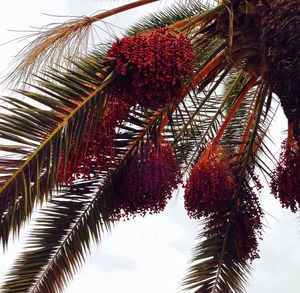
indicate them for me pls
(38, 131)
(57, 44)
(214, 266)
(251, 129)
(188, 125)
(59, 241)
(170, 15)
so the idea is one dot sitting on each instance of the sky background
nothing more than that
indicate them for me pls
(151, 254)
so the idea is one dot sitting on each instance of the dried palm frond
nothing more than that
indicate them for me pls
(56, 44)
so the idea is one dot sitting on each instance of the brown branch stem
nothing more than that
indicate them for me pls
(120, 9)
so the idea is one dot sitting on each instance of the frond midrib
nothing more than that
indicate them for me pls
(55, 132)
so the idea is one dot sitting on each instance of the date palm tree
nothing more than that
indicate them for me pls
(187, 95)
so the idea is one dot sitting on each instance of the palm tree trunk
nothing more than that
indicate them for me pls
(263, 37)
(281, 43)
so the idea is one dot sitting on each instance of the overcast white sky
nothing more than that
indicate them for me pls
(151, 254)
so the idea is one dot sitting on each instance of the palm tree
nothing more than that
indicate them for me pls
(188, 91)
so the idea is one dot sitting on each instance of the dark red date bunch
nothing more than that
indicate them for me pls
(214, 190)
(209, 188)
(150, 179)
(285, 178)
(96, 150)
(150, 68)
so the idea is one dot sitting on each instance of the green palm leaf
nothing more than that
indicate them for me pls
(38, 132)
(170, 15)
(59, 240)
(213, 266)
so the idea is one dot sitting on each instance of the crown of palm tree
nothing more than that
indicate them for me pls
(190, 88)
